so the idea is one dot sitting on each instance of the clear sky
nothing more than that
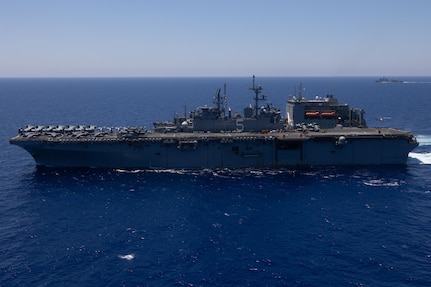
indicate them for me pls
(81, 38)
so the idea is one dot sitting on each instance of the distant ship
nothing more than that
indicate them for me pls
(315, 132)
(385, 80)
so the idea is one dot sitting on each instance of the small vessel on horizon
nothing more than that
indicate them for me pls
(385, 80)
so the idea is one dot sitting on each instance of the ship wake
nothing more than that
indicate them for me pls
(419, 157)
(422, 154)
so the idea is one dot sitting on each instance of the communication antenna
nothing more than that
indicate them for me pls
(257, 90)
(301, 89)
(224, 100)
(219, 102)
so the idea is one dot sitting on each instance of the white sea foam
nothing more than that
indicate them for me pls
(381, 182)
(127, 257)
(423, 158)
(421, 82)
(129, 171)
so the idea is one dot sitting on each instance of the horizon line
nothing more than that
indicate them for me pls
(190, 76)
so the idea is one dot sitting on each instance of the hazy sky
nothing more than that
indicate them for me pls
(215, 38)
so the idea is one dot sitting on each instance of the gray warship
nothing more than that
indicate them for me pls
(313, 132)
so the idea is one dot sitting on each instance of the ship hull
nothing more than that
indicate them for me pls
(198, 151)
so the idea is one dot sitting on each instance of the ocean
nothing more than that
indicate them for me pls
(317, 226)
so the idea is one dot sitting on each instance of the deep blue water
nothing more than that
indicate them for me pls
(356, 226)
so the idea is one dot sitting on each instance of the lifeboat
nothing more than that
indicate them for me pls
(328, 114)
(312, 114)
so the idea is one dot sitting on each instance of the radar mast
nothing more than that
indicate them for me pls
(257, 90)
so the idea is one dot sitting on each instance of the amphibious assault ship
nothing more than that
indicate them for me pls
(316, 132)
